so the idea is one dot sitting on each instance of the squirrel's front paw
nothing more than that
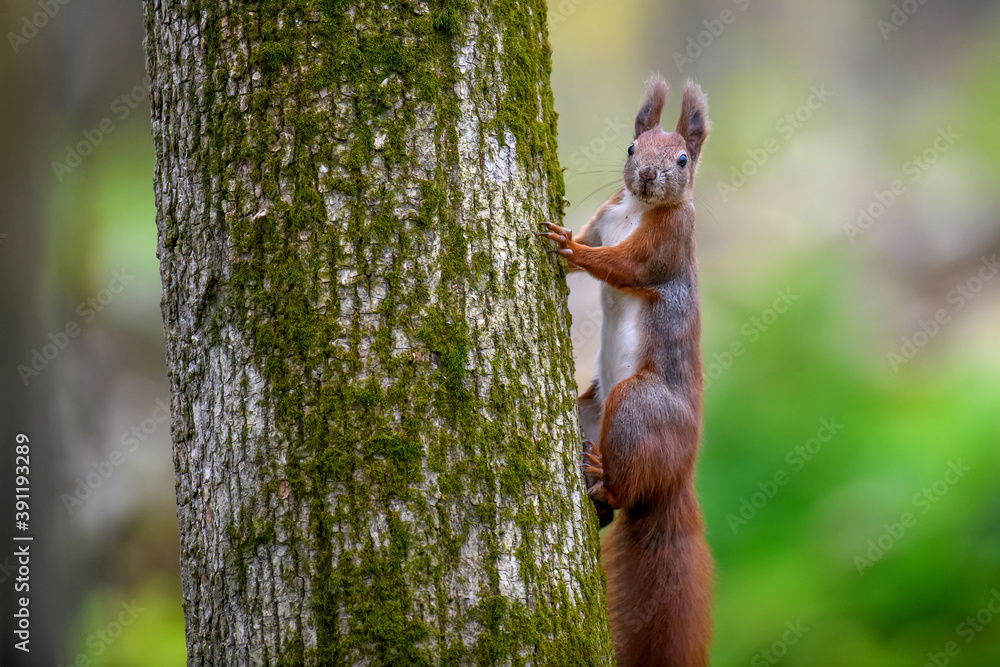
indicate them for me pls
(593, 469)
(593, 475)
(560, 235)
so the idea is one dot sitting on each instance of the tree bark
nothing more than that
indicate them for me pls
(374, 416)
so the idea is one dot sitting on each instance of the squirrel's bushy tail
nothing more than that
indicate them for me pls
(659, 574)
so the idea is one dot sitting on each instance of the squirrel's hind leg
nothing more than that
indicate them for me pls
(649, 439)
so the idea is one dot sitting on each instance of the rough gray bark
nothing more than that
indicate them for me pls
(376, 439)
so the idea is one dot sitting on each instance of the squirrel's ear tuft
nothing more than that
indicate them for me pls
(693, 125)
(652, 105)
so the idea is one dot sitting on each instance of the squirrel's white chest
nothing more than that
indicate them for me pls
(618, 358)
(620, 220)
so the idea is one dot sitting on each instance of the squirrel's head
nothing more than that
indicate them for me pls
(661, 165)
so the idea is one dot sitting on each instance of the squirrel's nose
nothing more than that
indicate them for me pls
(647, 174)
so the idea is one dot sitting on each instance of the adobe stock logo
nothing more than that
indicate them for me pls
(913, 170)
(698, 44)
(751, 332)
(785, 128)
(559, 13)
(773, 654)
(121, 108)
(900, 16)
(893, 532)
(584, 158)
(30, 25)
(101, 639)
(796, 459)
(958, 298)
(104, 468)
(967, 630)
(60, 340)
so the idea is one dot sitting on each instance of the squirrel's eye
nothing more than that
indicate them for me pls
(682, 160)
(631, 149)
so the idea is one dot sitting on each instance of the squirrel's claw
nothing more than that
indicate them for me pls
(593, 474)
(593, 470)
(560, 235)
(557, 230)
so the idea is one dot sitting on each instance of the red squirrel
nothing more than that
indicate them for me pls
(644, 409)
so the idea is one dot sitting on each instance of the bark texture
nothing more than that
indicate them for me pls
(376, 440)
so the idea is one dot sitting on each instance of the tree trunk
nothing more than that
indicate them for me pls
(376, 440)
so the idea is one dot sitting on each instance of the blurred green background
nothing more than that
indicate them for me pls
(849, 215)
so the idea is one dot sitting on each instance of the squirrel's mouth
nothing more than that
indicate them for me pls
(647, 191)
